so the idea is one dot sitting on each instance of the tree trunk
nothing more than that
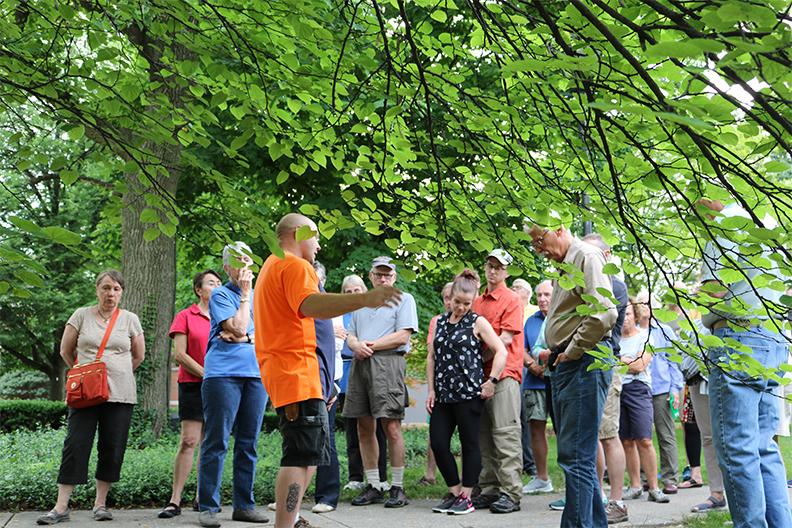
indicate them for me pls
(149, 269)
(57, 375)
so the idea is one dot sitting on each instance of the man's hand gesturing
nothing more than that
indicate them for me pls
(383, 296)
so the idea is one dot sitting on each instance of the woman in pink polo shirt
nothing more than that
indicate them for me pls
(190, 334)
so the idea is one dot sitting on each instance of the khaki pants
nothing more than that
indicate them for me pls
(500, 441)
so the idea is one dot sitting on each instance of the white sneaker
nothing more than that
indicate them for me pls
(385, 487)
(272, 506)
(538, 485)
(354, 485)
(322, 508)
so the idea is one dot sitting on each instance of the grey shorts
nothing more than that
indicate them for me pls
(535, 404)
(376, 387)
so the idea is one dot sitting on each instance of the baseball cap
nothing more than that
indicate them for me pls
(503, 257)
(383, 261)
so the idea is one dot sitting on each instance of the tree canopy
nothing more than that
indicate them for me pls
(442, 127)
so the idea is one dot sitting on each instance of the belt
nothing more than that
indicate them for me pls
(724, 323)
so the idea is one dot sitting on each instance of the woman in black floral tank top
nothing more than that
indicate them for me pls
(457, 390)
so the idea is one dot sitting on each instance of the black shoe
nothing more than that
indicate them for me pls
(482, 501)
(169, 511)
(370, 495)
(504, 504)
(448, 501)
(397, 498)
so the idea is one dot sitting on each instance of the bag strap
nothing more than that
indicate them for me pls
(106, 335)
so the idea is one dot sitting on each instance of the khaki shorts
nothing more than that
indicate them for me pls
(609, 428)
(535, 404)
(376, 387)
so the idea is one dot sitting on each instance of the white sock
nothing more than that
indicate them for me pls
(372, 475)
(397, 474)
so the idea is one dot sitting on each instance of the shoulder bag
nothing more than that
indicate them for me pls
(86, 385)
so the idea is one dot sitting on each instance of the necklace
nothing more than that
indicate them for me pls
(105, 319)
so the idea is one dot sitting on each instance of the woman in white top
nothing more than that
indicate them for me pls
(637, 412)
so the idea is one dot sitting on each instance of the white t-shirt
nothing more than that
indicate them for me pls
(631, 347)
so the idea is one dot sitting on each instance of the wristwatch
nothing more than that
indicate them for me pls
(248, 336)
(494, 380)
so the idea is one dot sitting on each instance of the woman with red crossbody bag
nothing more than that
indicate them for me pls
(123, 352)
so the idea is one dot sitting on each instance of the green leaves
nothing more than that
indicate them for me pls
(76, 132)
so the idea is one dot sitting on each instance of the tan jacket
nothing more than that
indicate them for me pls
(578, 332)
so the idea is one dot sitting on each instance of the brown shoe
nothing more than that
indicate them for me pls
(670, 489)
(425, 481)
(616, 513)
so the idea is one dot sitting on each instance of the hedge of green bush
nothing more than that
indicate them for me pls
(17, 415)
(35, 414)
(24, 384)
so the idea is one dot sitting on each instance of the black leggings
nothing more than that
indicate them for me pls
(693, 444)
(466, 417)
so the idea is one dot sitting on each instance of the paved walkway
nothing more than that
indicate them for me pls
(418, 514)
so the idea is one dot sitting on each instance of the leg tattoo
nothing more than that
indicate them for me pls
(292, 497)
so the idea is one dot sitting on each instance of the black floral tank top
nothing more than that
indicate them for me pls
(459, 370)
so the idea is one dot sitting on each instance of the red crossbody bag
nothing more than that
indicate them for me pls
(86, 385)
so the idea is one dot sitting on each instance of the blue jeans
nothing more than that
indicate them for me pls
(578, 402)
(225, 401)
(328, 479)
(744, 412)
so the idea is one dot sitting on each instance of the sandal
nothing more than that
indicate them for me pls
(102, 514)
(170, 511)
(426, 482)
(712, 504)
(689, 482)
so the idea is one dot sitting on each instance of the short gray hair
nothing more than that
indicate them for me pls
(321, 272)
(353, 280)
(522, 283)
(238, 248)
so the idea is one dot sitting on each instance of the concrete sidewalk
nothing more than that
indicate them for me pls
(418, 514)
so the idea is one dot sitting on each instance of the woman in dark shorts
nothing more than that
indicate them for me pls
(637, 414)
(457, 390)
(190, 334)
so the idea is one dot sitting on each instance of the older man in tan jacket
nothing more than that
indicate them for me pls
(578, 393)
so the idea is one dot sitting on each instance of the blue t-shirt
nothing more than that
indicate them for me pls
(325, 352)
(531, 332)
(224, 359)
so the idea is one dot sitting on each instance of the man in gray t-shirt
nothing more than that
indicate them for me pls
(379, 338)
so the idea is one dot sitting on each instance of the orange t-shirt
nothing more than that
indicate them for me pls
(285, 338)
(503, 310)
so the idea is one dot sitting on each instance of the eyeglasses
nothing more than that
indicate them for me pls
(539, 242)
(494, 268)
(383, 275)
